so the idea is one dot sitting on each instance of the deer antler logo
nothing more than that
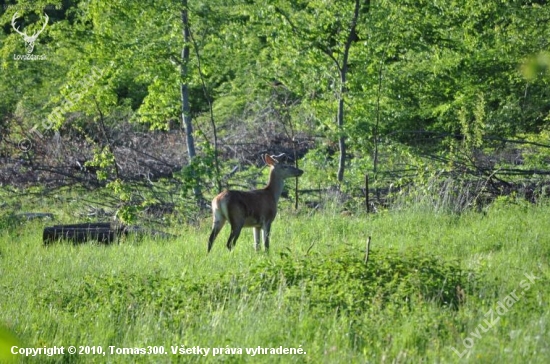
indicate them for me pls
(29, 40)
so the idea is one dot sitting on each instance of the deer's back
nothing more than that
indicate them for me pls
(255, 207)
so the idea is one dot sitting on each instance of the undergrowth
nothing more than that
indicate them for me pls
(340, 281)
(430, 282)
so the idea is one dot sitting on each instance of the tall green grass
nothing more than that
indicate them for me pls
(430, 281)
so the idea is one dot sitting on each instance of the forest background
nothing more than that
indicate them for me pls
(432, 97)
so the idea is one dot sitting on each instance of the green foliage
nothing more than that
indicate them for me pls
(7, 220)
(341, 282)
(104, 160)
(506, 202)
(7, 341)
(537, 66)
(472, 70)
(472, 124)
(318, 165)
(129, 208)
(201, 170)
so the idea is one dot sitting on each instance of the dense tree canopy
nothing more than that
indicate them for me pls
(416, 72)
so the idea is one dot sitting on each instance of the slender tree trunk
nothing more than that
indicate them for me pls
(211, 109)
(186, 109)
(377, 124)
(343, 74)
(296, 179)
(341, 136)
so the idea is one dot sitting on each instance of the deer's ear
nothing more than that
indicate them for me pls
(269, 160)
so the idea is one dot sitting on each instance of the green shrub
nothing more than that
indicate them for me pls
(339, 282)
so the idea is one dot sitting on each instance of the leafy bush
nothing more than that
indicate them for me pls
(343, 281)
(340, 281)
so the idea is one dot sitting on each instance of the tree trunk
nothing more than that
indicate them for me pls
(377, 124)
(186, 109)
(343, 74)
(211, 109)
(341, 136)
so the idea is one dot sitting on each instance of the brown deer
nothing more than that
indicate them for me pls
(255, 208)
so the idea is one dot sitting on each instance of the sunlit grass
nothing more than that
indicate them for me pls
(498, 246)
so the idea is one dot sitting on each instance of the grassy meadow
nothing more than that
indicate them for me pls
(437, 288)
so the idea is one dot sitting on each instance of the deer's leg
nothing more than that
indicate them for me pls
(266, 231)
(257, 245)
(216, 227)
(235, 232)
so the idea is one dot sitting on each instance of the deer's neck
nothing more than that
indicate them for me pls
(275, 186)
